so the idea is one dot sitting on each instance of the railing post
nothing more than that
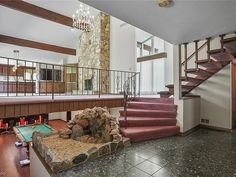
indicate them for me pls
(53, 82)
(32, 78)
(180, 69)
(208, 48)
(99, 85)
(139, 82)
(8, 73)
(196, 52)
(46, 79)
(221, 41)
(17, 63)
(186, 58)
(39, 79)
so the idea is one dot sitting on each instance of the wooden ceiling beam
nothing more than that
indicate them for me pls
(36, 45)
(37, 11)
(152, 57)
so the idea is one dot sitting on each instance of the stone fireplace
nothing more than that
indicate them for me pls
(90, 134)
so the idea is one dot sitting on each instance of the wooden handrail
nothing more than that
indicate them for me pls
(191, 56)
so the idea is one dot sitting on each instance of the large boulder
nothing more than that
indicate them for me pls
(77, 131)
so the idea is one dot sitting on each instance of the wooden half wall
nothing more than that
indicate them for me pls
(44, 107)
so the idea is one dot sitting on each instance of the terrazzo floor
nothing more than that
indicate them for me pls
(203, 153)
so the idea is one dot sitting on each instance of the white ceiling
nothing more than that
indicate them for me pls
(21, 25)
(184, 21)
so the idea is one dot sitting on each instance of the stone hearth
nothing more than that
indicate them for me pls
(91, 134)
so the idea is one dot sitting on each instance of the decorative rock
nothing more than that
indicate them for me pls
(114, 146)
(70, 124)
(117, 138)
(115, 132)
(77, 131)
(80, 158)
(93, 153)
(105, 149)
(65, 131)
(83, 123)
(83, 139)
(65, 136)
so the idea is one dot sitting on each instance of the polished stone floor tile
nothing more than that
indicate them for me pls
(134, 172)
(163, 173)
(133, 159)
(148, 167)
(146, 154)
(157, 159)
(204, 153)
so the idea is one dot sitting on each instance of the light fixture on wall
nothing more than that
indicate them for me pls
(82, 19)
(164, 3)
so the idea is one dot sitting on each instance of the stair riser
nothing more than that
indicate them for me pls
(142, 136)
(156, 100)
(133, 123)
(153, 107)
(150, 114)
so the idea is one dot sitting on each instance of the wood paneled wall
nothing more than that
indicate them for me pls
(25, 109)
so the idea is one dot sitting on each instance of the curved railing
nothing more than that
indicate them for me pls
(130, 91)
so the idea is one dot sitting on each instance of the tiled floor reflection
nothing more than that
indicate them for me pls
(204, 153)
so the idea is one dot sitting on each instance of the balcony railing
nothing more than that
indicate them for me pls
(20, 77)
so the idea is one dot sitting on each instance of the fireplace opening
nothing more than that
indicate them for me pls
(88, 84)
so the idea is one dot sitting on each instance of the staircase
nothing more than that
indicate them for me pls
(204, 68)
(149, 118)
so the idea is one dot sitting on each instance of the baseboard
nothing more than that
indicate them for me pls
(190, 131)
(215, 128)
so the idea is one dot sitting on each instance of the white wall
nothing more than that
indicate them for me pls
(57, 115)
(25, 53)
(216, 99)
(191, 113)
(122, 46)
(168, 63)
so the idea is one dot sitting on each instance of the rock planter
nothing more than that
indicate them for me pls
(91, 134)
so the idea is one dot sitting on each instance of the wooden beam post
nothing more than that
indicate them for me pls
(208, 48)
(186, 58)
(68, 116)
(36, 45)
(37, 11)
(221, 41)
(196, 52)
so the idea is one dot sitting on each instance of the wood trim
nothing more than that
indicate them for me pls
(36, 45)
(37, 11)
(215, 128)
(152, 57)
(24, 108)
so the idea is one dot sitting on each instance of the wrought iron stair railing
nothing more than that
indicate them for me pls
(131, 91)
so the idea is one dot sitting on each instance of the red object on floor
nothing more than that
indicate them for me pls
(1, 123)
(22, 121)
(149, 118)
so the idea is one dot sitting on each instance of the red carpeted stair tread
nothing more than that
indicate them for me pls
(152, 106)
(146, 121)
(149, 113)
(149, 132)
(154, 100)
